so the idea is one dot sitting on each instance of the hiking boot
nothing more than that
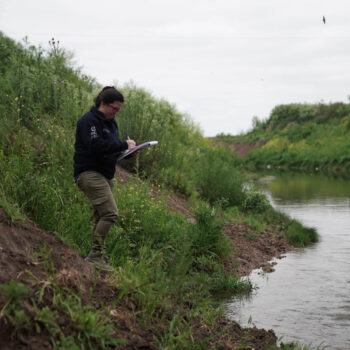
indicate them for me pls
(99, 260)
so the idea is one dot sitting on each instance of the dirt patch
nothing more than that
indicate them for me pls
(230, 335)
(26, 247)
(241, 149)
(254, 250)
(29, 255)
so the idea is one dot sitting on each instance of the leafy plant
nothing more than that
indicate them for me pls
(176, 335)
(92, 326)
(14, 292)
(207, 237)
(47, 319)
(255, 201)
(217, 178)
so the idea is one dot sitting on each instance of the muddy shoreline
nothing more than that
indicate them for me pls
(254, 250)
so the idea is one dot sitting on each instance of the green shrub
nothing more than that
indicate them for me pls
(206, 235)
(217, 178)
(281, 115)
(255, 202)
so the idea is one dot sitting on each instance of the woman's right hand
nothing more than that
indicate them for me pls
(131, 143)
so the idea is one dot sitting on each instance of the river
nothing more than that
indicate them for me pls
(307, 298)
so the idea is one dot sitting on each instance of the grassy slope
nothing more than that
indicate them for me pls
(160, 258)
(49, 296)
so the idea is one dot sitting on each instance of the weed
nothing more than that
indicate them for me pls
(175, 336)
(299, 235)
(92, 327)
(207, 237)
(14, 292)
(66, 343)
(46, 319)
(298, 346)
(207, 263)
(11, 209)
(43, 256)
(226, 284)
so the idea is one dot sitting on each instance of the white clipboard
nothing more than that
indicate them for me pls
(130, 151)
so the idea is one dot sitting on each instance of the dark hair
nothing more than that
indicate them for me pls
(108, 94)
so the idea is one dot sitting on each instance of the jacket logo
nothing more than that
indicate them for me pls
(93, 134)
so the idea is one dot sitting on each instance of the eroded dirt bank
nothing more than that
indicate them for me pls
(253, 251)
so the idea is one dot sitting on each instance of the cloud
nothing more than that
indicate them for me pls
(221, 62)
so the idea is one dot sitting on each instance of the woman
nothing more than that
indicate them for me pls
(96, 147)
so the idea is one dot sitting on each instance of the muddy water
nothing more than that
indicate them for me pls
(307, 298)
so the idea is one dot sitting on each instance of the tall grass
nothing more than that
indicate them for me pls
(183, 159)
(301, 236)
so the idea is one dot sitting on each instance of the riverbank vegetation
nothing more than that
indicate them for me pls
(309, 137)
(170, 267)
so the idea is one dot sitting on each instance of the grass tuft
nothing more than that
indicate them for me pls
(299, 235)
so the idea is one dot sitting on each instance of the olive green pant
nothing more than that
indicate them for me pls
(99, 190)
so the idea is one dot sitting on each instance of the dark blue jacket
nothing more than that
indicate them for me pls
(97, 144)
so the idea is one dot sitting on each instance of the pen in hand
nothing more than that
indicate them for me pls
(131, 143)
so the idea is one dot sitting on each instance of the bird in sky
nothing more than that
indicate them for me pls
(324, 19)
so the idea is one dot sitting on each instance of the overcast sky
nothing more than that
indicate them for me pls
(219, 61)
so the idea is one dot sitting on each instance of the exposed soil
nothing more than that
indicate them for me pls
(241, 149)
(23, 258)
(254, 250)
